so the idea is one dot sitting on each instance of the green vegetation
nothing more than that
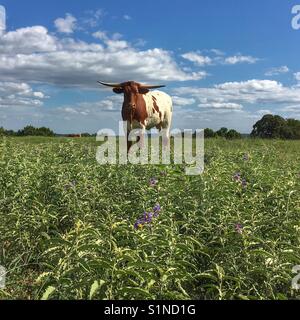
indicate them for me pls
(27, 132)
(67, 223)
(223, 133)
(275, 127)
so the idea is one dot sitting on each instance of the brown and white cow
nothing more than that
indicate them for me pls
(144, 109)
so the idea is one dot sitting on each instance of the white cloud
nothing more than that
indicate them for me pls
(297, 76)
(218, 52)
(102, 35)
(240, 59)
(223, 105)
(181, 101)
(66, 25)
(19, 94)
(127, 17)
(277, 71)
(252, 92)
(200, 60)
(33, 55)
(2, 19)
(140, 43)
(27, 40)
(92, 18)
(197, 58)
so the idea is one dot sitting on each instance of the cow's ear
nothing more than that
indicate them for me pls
(143, 90)
(118, 90)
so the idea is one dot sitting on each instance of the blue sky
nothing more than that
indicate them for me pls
(225, 63)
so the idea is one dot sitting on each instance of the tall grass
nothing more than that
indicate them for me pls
(67, 223)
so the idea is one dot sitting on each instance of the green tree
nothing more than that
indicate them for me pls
(44, 132)
(32, 131)
(270, 126)
(2, 132)
(233, 134)
(209, 133)
(293, 128)
(222, 132)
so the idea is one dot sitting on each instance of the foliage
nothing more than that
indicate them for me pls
(233, 134)
(222, 132)
(68, 224)
(209, 133)
(276, 127)
(32, 131)
(4, 132)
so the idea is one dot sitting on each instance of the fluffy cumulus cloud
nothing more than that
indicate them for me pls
(66, 25)
(32, 54)
(26, 41)
(19, 94)
(237, 95)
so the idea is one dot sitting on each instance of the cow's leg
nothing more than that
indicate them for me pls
(166, 135)
(129, 143)
(128, 130)
(141, 138)
(167, 127)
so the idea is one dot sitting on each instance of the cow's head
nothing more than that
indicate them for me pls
(131, 91)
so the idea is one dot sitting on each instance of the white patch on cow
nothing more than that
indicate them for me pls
(163, 116)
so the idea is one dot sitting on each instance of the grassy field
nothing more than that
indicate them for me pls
(67, 224)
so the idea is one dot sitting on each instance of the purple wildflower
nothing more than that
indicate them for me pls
(139, 224)
(148, 217)
(239, 228)
(157, 210)
(153, 182)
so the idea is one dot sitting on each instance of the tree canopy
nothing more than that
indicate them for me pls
(276, 127)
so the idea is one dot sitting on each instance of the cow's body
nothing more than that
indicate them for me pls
(157, 114)
(144, 109)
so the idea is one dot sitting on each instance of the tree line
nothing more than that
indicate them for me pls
(32, 131)
(223, 133)
(269, 127)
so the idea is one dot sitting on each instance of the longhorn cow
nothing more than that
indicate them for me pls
(144, 109)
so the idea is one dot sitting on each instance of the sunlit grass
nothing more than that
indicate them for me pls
(67, 223)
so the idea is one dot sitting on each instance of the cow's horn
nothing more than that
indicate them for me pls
(151, 87)
(113, 85)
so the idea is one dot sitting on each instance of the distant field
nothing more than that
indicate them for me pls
(67, 223)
